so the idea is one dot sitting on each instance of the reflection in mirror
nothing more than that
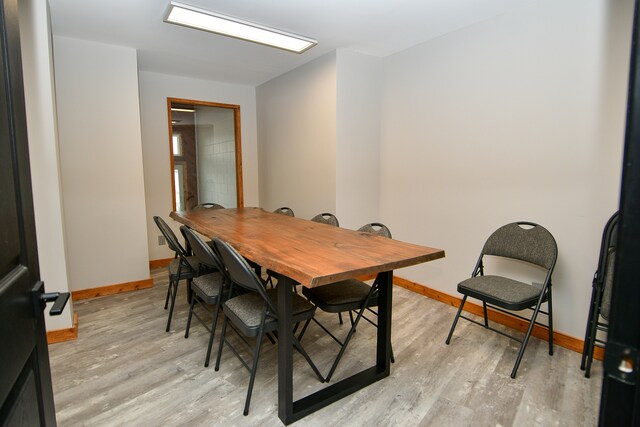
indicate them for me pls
(205, 153)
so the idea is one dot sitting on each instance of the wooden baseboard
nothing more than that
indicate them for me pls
(61, 335)
(112, 289)
(541, 332)
(159, 263)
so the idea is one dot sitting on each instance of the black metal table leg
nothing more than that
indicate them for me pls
(290, 411)
(285, 350)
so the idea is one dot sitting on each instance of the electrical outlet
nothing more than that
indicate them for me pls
(162, 241)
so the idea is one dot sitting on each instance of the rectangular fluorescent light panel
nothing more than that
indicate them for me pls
(201, 19)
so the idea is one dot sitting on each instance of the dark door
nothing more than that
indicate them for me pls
(620, 403)
(26, 395)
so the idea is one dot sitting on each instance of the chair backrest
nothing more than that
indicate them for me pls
(524, 241)
(326, 218)
(201, 250)
(240, 272)
(376, 228)
(284, 211)
(606, 263)
(204, 206)
(170, 236)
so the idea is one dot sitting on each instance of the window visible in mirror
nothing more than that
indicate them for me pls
(177, 144)
(178, 177)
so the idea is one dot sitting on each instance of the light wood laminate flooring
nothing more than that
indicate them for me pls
(124, 369)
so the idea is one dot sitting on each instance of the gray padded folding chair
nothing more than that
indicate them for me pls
(326, 218)
(347, 295)
(285, 211)
(601, 294)
(182, 267)
(254, 314)
(208, 289)
(523, 241)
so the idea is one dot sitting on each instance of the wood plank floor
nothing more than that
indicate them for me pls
(124, 369)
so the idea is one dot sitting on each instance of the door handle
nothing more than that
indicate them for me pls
(41, 299)
(60, 301)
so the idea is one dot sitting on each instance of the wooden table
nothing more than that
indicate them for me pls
(312, 254)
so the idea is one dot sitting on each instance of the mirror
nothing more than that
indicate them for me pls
(206, 156)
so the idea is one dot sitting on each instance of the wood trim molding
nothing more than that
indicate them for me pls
(159, 263)
(540, 332)
(112, 289)
(61, 335)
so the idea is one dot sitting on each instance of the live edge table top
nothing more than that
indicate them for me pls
(310, 253)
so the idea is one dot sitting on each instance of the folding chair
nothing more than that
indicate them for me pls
(523, 241)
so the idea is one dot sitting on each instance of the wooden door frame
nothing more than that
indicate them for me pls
(238, 143)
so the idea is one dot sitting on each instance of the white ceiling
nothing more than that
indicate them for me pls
(374, 27)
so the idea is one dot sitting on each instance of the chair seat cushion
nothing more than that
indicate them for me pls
(501, 291)
(184, 272)
(340, 296)
(247, 310)
(208, 286)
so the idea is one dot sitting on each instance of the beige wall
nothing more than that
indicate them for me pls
(319, 138)
(516, 118)
(297, 134)
(101, 163)
(154, 90)
(357, 138)
(37, 55)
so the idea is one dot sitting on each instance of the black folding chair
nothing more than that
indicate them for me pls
(347, 295)
(182, 267)
(326, 218)
(254, 314)
(208, 289)
(285, 211)
(600, 295)
(523, 241)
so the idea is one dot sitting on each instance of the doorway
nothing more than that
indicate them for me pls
(206, 153)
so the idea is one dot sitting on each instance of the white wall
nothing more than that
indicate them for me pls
(357, 138)
(101, 163)
(517, 118)
(37, 56)
(297, 133)
(154, 90)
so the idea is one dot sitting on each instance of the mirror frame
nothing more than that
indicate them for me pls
(236, 119)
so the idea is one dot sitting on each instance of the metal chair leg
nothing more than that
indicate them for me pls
(344, 346)
(186, 332)
(254, 368)
(455, 321)
(484, 311)
(304, 329)
(304, 353)
(173, 303)
(550, 311)
(222, 335)
(590, 341)
(587, 335)
(213, 332)
(527, 336)
(166, 301)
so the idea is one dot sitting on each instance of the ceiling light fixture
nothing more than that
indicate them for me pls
(201, 19)
(184, 110)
